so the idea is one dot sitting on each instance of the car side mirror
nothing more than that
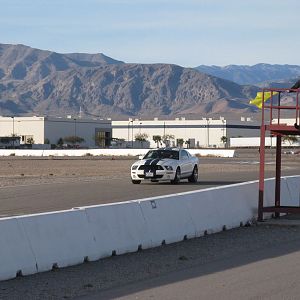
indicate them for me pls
(141, 156)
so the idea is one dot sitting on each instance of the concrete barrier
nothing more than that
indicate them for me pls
(293, 186)
(16, 256)
(213, 152)
(58, 239)
(106, 152)
(285, 195)
(40, 242)
(167, 218)
(117, 228)
(223, 207)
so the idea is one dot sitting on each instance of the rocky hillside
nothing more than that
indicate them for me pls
(256, 75)
(39, 82)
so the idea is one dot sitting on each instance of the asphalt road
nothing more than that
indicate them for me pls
(59, 196)
(271, 273)
(44, 197)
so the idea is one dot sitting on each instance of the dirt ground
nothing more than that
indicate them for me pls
(35, 170)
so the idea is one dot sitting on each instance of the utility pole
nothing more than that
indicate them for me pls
(207, 132)
(75, 127)
(13, 134)
(132, 134)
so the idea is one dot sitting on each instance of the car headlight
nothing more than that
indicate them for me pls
(134, 167)
(169, 168)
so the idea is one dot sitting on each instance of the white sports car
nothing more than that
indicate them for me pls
(165, 164)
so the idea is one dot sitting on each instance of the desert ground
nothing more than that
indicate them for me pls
(16, 171)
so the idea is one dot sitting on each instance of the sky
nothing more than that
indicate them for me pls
(187, 32)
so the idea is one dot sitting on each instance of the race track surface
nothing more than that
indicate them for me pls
(46, 185)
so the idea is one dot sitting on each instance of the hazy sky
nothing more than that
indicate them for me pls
(186, 32)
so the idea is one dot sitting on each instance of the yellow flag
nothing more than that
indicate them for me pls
(259, 98)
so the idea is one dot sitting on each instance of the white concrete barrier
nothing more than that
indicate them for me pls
(106, 152)
(203, 212)
(255, 142)
(117, 228)
(223, 207)
(16, 255)
(36, 243)
(285, 195)
(58, 239)
(213, 152)
(167, 218)
(293, 185)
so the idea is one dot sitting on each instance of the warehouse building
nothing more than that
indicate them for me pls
(49, 130)
(207, 132)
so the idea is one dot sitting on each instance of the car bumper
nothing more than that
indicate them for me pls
(160, 175)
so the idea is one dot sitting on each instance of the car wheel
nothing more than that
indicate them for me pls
(176, 179)
(194, 176)
(136, 181)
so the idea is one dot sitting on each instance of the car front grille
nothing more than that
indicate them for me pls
(154, 177)
(152, 168)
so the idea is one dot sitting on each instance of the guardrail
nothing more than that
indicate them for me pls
(41, 242)
(106, 152)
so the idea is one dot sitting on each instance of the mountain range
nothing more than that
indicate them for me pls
(40, 82)
(259, 74)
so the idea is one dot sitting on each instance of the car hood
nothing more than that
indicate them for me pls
(164, 161)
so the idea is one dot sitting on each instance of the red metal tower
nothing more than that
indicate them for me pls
(276, 128)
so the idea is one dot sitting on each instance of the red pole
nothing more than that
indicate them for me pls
(262, 163)
(297, 107)
(278, 173)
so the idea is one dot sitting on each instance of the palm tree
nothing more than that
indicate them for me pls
(141, 137)
(30, 141)
(290, 138)
(180, 142)
(188, 143)
(167, 138)
(157, 140)
(224, 140)
(60, 142)
(73, 139)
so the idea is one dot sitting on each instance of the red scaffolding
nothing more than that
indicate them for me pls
(276, 128)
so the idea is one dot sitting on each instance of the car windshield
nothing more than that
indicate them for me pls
(153, 154)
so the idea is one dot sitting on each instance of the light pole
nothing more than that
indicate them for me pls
(207, 132)
(128, 131)
(128, 139)
(223, 129)
(13, 134)
(75, 133)
(132, 134)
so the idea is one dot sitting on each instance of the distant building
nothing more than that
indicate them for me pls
(207, 132)
(40, 130)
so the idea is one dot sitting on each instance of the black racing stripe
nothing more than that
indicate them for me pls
(147, 162)
(155, 161)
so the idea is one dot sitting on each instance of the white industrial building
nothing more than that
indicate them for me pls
(269, 140)
(206, 132)
(40, 130)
